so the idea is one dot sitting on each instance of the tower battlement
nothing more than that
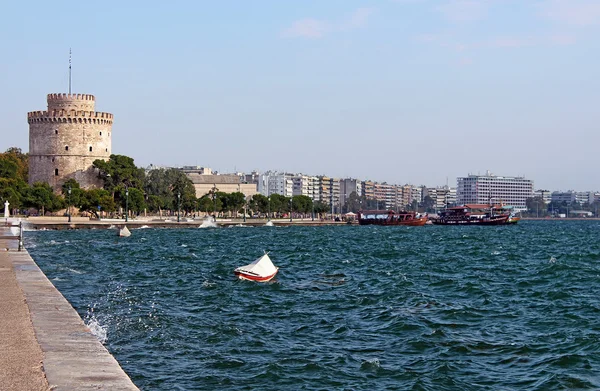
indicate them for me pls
(64, 97)
(70, 116)
(83, 102)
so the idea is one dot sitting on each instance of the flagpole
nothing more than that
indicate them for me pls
(69, 71)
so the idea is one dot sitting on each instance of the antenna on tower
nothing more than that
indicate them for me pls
(69, 71)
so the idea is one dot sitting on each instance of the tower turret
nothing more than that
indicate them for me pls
(65, 140)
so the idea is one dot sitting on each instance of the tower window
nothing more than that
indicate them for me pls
(56, 172)
(52, 160)
(106, 149)
(56, 131)
(66, 148)
(100, 133)
(90, 149)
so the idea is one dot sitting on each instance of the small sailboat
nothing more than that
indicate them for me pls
(124, 232)
(261, 270)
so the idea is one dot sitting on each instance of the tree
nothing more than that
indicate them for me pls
(259, 203)
(536, 207)
(321, 208)
(166, 184)
(20, 160)
(205, 204)
(76, 192)
(428, 204)
(41, 197)
(302, 204)
(95, 200)
(119, 171)
(10, 194)
(235, 202)
(353, 202)
(279, 203)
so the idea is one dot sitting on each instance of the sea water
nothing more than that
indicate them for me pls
(354, 308)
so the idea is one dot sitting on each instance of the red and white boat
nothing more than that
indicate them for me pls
(261, 270)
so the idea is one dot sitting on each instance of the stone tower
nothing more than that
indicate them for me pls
(65, 140)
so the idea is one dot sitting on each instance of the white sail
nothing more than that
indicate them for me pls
(262, 267)
(124, 232)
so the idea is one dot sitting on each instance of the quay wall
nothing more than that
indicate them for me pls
(73, 358)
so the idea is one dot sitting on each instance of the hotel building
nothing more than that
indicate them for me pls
(481, 189)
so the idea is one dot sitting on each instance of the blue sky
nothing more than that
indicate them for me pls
(402, 91)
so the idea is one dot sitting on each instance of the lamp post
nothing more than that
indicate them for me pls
(214, 195)
(69, 207)
(126, 204)
(269, 216)
(178, 203)
(313, 210)
(245, 208)
(290, 209)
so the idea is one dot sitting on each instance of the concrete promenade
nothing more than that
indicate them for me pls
(44, 344)
(51, 223)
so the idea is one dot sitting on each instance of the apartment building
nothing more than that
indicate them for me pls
(483, 189)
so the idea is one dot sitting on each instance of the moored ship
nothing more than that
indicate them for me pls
(473, 214)
(390, 217)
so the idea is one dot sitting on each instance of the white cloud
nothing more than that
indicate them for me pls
(306, 28)
(573, 12)
(315, 28)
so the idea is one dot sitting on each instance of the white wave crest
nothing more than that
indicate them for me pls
(97, 329)
(208, 223)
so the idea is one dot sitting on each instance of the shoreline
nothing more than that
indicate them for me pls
(55, 349)
(62, 223)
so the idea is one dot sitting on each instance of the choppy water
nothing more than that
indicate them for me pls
(354, 308)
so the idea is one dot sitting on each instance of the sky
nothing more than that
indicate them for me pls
(396, 91)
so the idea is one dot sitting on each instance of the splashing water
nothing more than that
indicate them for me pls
(208, 223)
(97, 329)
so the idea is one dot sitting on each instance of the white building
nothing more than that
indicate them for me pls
(275, 183)
(305, 185)
(483, 189)
(545, 195)
(442, 196)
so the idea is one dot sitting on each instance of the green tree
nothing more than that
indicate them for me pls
(279, 203)
(20, 160)
(259, 203)
(119, 171)
(302, 204)
(41, 197)
(95, 200)
(536, 207)
(166, 184)
(321, 208)
(428, 204)
(205, 204)
(353, 202)
(76, 192)
(10, 194)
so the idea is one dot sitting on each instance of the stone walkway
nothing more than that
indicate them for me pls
(20, 354)
(44, 344)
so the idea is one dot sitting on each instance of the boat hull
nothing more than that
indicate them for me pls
(411, 223)
(251, 277)
(500, 220)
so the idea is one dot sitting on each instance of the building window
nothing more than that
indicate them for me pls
(106, 149)
(56, 172)
(100, 133)
(90, 149)
(66, 148)
(56, 131)
(52, 160)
